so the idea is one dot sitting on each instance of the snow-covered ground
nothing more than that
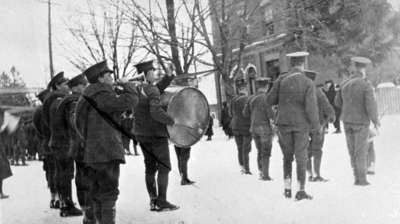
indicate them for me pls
(223, 195)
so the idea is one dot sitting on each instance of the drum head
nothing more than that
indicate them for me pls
(190, 110)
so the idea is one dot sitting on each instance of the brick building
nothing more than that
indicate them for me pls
(266, 36)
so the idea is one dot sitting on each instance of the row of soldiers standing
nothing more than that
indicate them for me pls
(300, 112)
(84, 128)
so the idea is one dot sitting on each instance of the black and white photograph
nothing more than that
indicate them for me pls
(199, 111)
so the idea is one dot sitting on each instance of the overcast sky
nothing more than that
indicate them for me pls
(23, 37)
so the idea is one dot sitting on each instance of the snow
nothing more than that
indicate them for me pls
(386, 85)
(223, 195)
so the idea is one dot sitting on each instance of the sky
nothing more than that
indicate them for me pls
(23, 37)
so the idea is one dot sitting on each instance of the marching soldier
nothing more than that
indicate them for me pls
(359, 108)
(326, 114)
(97, 116)
(260, 114)
(76, 150)
(151, 133)
(295, 96)
(241, 126)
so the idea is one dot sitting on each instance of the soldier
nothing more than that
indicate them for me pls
(295, 96)
(59, 145)
(241, 126)
(226, 120)
(183, 155)
(151, 133)
(209, 132)
(260, 114)
(359, 108)
(76, 150)
(97, 116)
(47, 156)
(326, 114)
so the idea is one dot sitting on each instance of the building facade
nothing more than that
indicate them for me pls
(266, 35)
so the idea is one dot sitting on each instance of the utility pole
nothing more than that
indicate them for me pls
(50, 40)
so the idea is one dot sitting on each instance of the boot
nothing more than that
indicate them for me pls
(52, 203)
(4, 196)
(265, 169)
(153, 206)
(164, 205)
(287, 193)
(319, 179)
(300, 195)
(187, 182)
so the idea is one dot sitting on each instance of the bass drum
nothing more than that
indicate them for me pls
(189, 108)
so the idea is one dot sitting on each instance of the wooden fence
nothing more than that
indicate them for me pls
(388, 100)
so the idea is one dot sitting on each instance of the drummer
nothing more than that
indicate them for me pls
(151, 132)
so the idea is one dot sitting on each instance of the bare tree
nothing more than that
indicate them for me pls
(106, 37)
(228, 39)
(165, 35)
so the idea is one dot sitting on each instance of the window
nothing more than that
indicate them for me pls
(268, 13)
(269, 28)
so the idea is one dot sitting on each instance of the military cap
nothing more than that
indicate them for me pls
(77, 80)
(361, 61)
(96, 70)
(57, 80)
(310, 74)
(42, 95)
(144, 66)
(297, 57)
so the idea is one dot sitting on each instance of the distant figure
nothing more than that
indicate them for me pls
(209, 133)
(330, 93)
(336, 124)
(226, 120)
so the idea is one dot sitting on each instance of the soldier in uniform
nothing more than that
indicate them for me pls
(76, 149)
(359, 108)
(151, 133)
(48, 158)
(295, 96)
(57, 143)
(260, 114)
(241, 126)
(326, 114)
(97, 116)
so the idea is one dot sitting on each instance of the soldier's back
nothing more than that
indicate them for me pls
(357, 97)
(296, 91)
